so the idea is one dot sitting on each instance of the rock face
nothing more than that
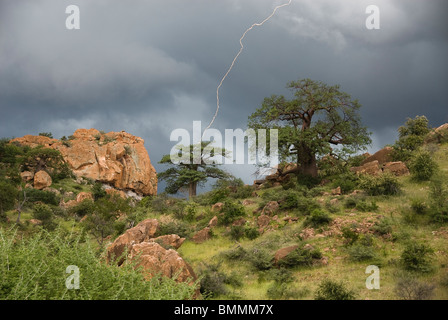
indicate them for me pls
(270, 208)
(169, 240)
(42, 180)
(118, 159)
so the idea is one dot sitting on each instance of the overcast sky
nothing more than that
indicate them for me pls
(151, 66)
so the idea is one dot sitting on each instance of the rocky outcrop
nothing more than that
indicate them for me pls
(373, 168)
(382, 156)
(270, 208)
(438, 135)
(118, 159)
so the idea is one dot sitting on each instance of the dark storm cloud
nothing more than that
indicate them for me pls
(149, 67)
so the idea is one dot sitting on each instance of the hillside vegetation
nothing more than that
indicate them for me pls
(288, 240)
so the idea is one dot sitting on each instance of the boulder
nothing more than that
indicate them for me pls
(27, 176)
(213, 222)
(42, 180)
(115, 158)
(247, 202)
(154, 260)
(217, 207)
(263, 221)
(83, 196)
(438, 135)
(239, 222)
(270, 208)
(336, 192)
(283, 252)
(372, 168)
(143, 231)
(170, 240)
(382, 156)
(398, 168)
(202, 235)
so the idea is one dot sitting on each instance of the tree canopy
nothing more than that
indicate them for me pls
(312, 123)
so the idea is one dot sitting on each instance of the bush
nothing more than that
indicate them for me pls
(409, 288)
(45, 214)
(260, 259)
(347, 181)
(422, 166)
(98, 191)
(47, 197)
(332, 290)
(364, 206)
(417, 257)
(300, 257)
(231, 211)
(178, 227)
(383, 184)
(317, 219)
(361, 253)
(419, 206)
(251, 233)
(33, 267)
(238, 253)
(236, 232)
(383, 227)
(350, 235)
(438, 195)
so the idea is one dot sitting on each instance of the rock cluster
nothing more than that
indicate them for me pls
(140, 245)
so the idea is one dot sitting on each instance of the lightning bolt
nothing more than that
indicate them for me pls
(238, 54)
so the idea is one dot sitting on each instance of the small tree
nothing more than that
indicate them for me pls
(189, 175)
(8, 194)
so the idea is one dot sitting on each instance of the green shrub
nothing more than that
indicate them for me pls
(251, 233)
(350, 235)
(317, 219)
(47, 197)
(422, 166)
(347, 181)
(33, 267)
(238, 253)
(98, 191)
(438, 195)
(383, 227)
(361, 253)
(333, 290)
(260, 259)
(364, 206)
(300, 257)
(178, 227)
(383, 184)
(45, 214)
(409, 288)
(236, 232)
(419, 206)
(231, 212)
(417, 257)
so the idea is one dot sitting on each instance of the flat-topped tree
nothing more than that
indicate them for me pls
(318, 117)
(188, 174)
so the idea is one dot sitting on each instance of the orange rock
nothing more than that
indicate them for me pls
(144, 231)
(154, 259)
(217, 207)
(116, 158)
(283, 252)
(398, 168)
(172, 240)
(83, 196)
(202, 235)
(42, 180)
(382, 156)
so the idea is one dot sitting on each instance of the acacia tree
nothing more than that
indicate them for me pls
(188, 175)
(318, 117)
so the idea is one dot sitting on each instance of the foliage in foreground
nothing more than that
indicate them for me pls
(34, 268)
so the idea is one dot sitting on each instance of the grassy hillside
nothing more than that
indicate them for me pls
(337, 237)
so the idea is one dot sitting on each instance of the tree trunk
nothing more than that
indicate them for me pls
(192, 190)
(306, 161)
